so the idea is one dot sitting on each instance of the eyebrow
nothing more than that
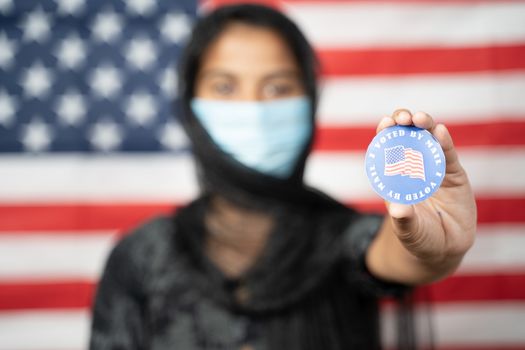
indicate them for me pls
(284, 73)
(216, 72)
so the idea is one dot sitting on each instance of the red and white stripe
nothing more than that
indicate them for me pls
(463, 61)
(414, 166)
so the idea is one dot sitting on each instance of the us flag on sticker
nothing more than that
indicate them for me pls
(404, 161)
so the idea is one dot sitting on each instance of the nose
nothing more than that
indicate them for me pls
(250, 90)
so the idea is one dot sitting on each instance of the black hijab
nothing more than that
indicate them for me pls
(241, 181)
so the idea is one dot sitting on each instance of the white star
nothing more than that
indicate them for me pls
(71, 108)
(141, 7)
(175, 27)
(70, 7)
(141, 53)
(71, 53)
(36, 136)
(168, 82)
(107, 26)
(105, 81)
(36, 80)
(105, 135)
(140, 108)
(6, 6)
(8, 107)
(7, 51)
(36, 26)
(172, 136)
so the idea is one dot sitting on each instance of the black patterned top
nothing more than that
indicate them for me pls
(147, 299)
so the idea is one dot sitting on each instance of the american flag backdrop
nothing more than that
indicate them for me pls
(89, 147)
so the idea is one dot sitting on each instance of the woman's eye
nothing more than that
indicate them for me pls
(223, 88)
(277, 90)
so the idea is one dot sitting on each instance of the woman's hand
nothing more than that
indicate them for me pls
(426, 241)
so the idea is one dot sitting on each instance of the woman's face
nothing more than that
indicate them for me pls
(248, 63)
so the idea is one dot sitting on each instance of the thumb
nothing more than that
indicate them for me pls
(403, 221)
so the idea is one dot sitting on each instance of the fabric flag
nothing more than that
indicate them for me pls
(90, 146)
(404, 161)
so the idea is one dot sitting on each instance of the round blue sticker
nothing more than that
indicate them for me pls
(405, 164)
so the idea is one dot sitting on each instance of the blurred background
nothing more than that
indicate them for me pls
(90, 147)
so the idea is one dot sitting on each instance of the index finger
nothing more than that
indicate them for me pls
(386, 122)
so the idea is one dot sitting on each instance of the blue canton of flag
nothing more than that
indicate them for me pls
(394, 155)
(83, 76)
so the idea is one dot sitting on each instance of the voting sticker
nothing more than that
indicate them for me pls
(405, 164)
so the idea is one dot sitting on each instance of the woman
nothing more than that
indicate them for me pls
(259, 260)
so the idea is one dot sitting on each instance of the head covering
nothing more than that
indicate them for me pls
(218, 172)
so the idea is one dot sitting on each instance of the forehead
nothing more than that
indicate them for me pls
(248, 50)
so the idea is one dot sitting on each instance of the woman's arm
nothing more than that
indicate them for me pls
(424, 242)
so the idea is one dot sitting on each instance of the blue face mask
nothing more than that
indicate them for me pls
(265, 136)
